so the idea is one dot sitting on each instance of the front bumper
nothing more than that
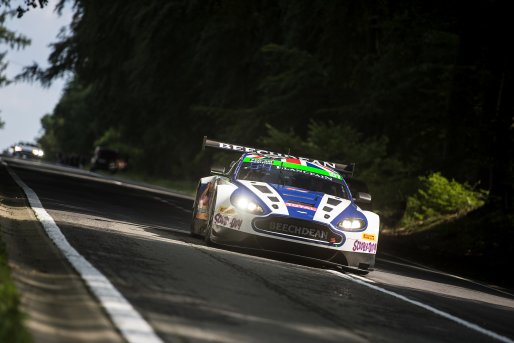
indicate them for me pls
(226, 236)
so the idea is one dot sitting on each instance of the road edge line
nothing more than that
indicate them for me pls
(415, 265)
(125, 318)
(458, 320)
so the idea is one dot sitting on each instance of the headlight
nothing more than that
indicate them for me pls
(351, 224)
(248, 205)
(17, 148)
(37, 152)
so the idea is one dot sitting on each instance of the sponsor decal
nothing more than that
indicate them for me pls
(368, 237)
(227, 210)
(259, 152)
(305, 207)
(228, 221)
(274, 154)
(306, 172)
(298, 230)
(294, 164)
(261, 160)
(365, 246)
(204, 201)
(259, 166)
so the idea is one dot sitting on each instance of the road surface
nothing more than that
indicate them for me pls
(187, 292)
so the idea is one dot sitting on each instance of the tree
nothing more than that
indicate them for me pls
(10, 38)
(411, 77)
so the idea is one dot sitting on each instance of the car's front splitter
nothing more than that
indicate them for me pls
(230, 237)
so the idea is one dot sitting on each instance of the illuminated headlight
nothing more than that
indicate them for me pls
(17, 148)
(248, 205)
(351, 224)
(37, 152)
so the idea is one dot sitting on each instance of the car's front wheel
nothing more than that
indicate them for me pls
(196, 224)
(208, 229)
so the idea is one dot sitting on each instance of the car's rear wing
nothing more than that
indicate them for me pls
(346, 169)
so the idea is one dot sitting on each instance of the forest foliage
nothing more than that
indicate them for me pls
(402, 88)
(438, 197)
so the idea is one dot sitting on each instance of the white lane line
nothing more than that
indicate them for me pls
(363, 279)
(128, 321)
(463, 322)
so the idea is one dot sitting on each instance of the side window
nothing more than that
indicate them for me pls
(231, 168)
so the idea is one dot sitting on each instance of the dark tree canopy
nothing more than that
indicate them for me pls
(403, 88)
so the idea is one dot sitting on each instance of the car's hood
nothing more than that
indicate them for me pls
(300, 203)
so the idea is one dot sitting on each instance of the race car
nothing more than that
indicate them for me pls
(293, 205)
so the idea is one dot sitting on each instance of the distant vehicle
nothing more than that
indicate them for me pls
(292, 205)
(107, 159)
(25, 150)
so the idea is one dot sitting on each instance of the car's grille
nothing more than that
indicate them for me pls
(297, 228)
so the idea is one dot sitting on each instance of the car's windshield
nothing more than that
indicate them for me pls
(27, 144)
(279, 175)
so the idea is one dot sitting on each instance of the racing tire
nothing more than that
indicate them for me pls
(208, 229)
(360, 272)
(196, 225)
(195, 228)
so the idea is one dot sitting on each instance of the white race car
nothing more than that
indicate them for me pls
(286, 204)
(25, 150)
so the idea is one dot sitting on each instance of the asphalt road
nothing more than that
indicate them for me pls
(189, 292)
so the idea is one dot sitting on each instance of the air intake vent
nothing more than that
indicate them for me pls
(301, 203)
(333, 202)
(263, 189)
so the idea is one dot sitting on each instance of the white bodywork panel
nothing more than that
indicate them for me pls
(226, 215)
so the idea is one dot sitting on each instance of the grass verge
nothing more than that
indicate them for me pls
(478, 245)
(11, 317)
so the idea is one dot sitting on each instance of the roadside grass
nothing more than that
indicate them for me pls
(11, 317)
(478, 244)
(438, 200)
(450, 226)
(12, 328)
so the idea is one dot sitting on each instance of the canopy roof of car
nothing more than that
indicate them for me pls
(26, 144)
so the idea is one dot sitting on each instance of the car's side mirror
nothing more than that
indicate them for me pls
(363, 198)
(218, 171)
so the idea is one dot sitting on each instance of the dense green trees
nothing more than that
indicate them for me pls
(402, 88)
